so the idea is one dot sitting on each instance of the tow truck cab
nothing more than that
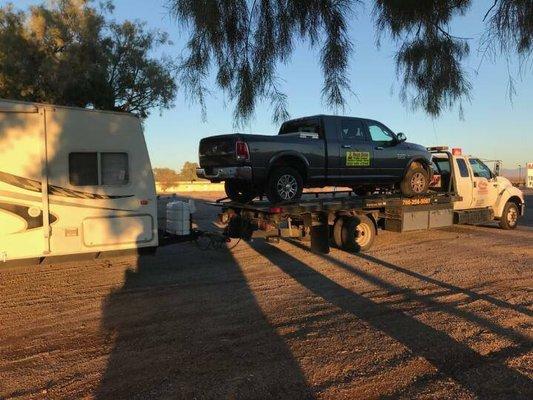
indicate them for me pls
(484, 195)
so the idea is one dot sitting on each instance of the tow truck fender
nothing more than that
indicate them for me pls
(503, 198)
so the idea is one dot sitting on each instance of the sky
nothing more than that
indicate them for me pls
(492, 127)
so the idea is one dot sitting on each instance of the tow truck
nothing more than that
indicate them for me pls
(464, 190)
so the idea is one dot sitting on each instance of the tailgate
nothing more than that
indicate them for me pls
(218, 151)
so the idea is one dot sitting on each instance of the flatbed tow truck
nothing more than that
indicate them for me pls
(463, 191)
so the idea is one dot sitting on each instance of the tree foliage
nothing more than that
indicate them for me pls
(166, 177)
(244, 41)
(188, 172)
(69, 54)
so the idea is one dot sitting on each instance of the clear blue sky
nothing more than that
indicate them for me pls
(492, 127)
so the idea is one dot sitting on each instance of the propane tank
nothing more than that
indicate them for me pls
(178, 218)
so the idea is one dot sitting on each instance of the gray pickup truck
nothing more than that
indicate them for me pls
(315, 151)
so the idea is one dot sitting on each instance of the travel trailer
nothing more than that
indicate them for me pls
(73, 181)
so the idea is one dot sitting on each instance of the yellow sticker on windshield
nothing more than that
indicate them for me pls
(357, 159)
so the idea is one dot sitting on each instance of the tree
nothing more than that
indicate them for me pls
(166, 177)
(188, 172)
(244, 41)
(68, 54)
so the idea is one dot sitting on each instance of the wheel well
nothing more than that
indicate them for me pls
(290, 161)
(422, 161)
(516, 200)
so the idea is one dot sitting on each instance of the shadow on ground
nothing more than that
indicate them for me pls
(486, 377)
(193, 332)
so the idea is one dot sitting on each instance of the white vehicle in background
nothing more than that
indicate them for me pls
(484, 195)
(73, 181)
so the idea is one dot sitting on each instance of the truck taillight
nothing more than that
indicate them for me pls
(241, 151)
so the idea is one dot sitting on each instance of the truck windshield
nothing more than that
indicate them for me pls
(307, 126)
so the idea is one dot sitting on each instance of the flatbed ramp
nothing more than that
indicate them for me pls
(342, 218)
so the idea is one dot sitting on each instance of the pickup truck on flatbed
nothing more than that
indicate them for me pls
(315, 151)
(463, 191)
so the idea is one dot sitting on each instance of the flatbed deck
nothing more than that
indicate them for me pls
(338, 201)
(320, 216)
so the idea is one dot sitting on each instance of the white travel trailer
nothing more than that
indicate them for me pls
(73, 181)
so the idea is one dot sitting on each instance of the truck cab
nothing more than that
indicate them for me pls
(483, 195)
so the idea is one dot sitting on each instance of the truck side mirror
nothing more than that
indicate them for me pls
(401, 137)
(497, 169)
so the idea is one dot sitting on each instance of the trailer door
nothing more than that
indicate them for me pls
(24, 218)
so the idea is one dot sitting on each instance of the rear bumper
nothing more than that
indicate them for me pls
(220, 174)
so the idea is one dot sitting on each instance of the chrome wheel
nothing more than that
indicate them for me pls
(287, 186)
(512, 216)
(363, 235)
(418, 182)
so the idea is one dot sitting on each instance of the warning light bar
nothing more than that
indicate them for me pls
(437, 148)
(456, 151)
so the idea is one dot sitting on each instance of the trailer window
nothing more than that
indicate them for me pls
(463, 169)
(83, 169)
(114, 168)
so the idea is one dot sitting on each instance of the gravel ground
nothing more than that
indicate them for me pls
(439, 314)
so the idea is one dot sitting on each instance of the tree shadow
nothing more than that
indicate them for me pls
(450, 289)
(186, 324)
(484, 376)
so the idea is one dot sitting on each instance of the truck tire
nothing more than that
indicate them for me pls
(358, 233)
(337, 232)
(416, 181)
(284, 184)
(509, 219)
(239, 191)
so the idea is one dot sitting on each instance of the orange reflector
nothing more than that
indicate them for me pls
(456, 151)
(275, 210)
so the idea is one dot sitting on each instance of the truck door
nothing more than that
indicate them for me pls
(485, 187)
(464, 184)
(356, 154)
(390, 159)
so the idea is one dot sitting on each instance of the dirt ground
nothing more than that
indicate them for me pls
(440, 314)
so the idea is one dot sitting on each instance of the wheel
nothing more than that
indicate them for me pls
(239, 191)
(284, 184)
(509, 219)
(337, 232)
(415, 181)
(358, 233)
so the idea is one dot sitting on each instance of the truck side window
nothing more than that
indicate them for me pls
(83, 169)
(307, 126)
(480, 169)
(114, 168)
(352, 130)
(463, 169)
(379, 133)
